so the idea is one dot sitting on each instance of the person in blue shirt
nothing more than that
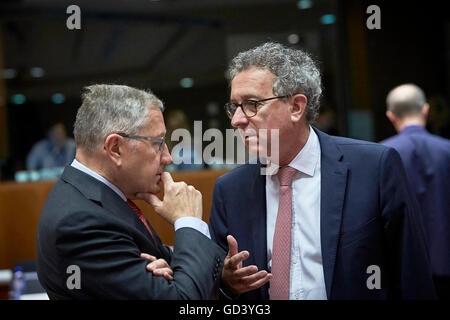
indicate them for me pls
(57, 150)
(426, 158)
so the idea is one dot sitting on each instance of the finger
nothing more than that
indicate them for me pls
(258, 283)
(167, 180)
(167, 276)
(182, 184)
(158, 264)
(154, 201)
(149, 198)
(161, 263)
(165, 273)
(235, 260)
(162, 271)
(245, 272)
(148, 257)
(143, 196)
(254, 277)
(232, 246)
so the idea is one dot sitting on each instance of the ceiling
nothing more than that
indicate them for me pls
(142, 42)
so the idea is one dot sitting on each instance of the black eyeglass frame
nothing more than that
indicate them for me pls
(159, 140)
(255, 102)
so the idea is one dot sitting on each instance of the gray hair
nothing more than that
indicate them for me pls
(295, 72)
(111, 108)
(406, 100)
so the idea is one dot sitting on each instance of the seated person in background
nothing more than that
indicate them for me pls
(184, 155)
(426, 158)
(89, 221)
(57, 150)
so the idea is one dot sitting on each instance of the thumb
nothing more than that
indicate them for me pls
(232, 246)
(154, 201)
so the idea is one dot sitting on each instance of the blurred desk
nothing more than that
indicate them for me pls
(35, 296)
(21, 205)
(5, 280)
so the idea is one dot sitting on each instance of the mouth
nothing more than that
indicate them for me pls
(250, 137)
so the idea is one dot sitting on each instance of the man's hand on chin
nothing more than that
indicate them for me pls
(180, 200)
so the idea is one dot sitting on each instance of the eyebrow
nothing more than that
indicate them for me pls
(246, 97)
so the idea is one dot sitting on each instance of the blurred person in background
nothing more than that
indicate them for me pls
(326, 121)
(58, 150)
(177, 119)
(426, 158)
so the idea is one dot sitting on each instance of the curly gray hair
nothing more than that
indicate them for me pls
(295, 72)
(111, 108)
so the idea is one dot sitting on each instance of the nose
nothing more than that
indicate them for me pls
(166, 158)
(239, 119)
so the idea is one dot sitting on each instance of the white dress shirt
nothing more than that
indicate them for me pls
(307, 278)
(189, 222)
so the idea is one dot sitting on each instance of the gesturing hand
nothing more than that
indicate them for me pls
(159, 267)
(240, 279)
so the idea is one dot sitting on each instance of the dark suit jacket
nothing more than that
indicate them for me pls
(85, 223)
(426, 158)
(368, 216)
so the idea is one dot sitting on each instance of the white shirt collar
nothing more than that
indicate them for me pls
(306, 160)
(95, 175)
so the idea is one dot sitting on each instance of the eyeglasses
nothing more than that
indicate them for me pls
(249, 107)
(160, 141)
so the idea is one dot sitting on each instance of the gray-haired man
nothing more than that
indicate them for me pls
(338, 220)
(90, 224)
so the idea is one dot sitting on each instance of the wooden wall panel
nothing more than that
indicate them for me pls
(21, 204)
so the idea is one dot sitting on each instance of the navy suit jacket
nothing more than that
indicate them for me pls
(426, 158)
(368, 216)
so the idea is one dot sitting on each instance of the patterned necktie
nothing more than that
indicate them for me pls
(281, 251)
(141, 217)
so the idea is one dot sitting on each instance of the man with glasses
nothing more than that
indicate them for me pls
(335, 219)
(90, 224)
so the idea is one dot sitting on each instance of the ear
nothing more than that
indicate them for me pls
(425, 111)
(298, 107)
(114, 147)
(391, 117)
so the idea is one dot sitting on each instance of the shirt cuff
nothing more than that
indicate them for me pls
(228, 296)
(194, 223)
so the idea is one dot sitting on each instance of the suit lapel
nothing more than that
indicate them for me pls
(257, 220)
(104, 196)
(113, 203)
(333, 188)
